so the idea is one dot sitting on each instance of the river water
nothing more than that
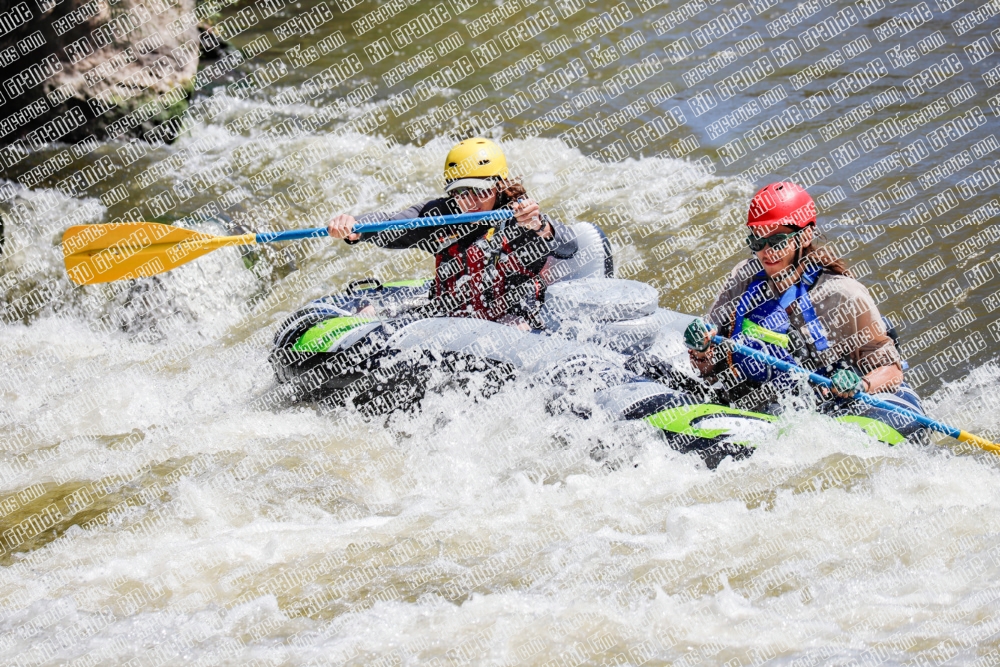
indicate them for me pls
(159, 508)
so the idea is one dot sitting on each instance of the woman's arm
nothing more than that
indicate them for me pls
(883, 379)
(529, 216)
(704, 362)
(561, 238)
(720, 316)
(869, 347)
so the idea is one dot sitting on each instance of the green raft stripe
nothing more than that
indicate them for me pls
(321, 337)
(875, 428)
(418, 282)
(678, 420)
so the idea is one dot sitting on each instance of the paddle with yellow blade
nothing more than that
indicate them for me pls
(957, 433)
(121, 251)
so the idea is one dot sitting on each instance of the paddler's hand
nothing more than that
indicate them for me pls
(341, 226)
(845, 383)
(529, 216)
(698, 335)
(698, 339)
(703, 362)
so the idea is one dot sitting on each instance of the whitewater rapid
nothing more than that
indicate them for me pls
(187, 514)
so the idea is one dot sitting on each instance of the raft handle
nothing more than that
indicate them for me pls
(375, 283)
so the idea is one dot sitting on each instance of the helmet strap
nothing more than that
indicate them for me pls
(798, 243)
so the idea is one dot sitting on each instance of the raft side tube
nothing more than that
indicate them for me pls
(522, 350)
(590, 258)
(598, 300)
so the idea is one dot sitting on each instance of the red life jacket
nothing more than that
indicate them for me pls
(491, 276)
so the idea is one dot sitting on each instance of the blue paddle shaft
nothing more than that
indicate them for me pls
(826, 382)
(487, 217)
(291, 235)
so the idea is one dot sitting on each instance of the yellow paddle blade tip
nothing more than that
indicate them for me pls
(128, 250)
(83, 238)
(982, 443)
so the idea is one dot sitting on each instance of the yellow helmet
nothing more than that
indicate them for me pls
(475, 163)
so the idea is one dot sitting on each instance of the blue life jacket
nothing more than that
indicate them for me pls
(762, 322)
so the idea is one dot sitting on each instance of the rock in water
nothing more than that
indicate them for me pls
(75, 68)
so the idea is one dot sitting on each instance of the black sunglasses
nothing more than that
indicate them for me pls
(475, 192)
(776, 241)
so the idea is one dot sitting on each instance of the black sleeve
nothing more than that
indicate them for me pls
(563, 243)
(533, 250)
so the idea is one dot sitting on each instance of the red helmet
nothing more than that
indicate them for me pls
(781, 204)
